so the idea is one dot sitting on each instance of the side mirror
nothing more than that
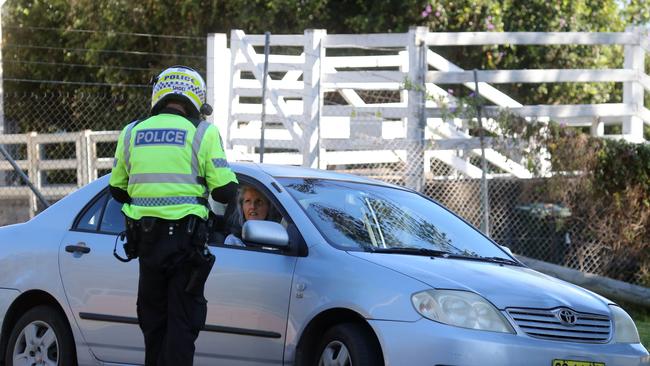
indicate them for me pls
(267, 233)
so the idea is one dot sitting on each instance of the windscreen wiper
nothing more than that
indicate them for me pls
(412, 251)
(440, 253)
(499, 260)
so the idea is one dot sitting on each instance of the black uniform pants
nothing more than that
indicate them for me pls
(169, 317)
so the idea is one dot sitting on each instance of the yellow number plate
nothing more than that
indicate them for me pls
(576, 363)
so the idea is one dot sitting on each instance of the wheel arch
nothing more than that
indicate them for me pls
(23, 303)
(309, 338)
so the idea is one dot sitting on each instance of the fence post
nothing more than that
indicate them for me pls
(218, 80)
(597, 127)
(82, 160)
(311, 99)
(79, 156)
(416, 120)
(633, 90)
(33, 158)
(233, 99)
(92, 157)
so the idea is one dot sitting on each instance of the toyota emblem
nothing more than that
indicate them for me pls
(567, 316)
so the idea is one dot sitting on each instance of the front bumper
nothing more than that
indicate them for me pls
(427, 343)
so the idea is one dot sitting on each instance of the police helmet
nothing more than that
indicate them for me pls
(183, 84)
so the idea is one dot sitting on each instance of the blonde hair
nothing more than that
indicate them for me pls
(237, 219)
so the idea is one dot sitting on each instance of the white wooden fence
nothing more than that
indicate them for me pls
(85, 162)
(412, 129)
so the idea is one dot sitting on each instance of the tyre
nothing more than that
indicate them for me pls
(41, 337)
(349, 344)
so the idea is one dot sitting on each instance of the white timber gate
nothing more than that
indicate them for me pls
(303, 129)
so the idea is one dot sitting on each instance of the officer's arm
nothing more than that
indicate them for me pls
(221, 180)
(119, 194)
(119, 175)
(225, 193)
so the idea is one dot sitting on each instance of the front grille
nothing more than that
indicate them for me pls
(546, 324)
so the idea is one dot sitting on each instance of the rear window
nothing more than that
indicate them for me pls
(89, 219)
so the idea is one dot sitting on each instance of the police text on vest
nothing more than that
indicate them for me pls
(160, 136)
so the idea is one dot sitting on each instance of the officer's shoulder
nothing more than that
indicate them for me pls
(195, 121)
(209, 126)
(131, 124)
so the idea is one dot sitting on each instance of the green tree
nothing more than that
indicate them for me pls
(535, 16)
(26, 48)
(364, 16)
(125, 42)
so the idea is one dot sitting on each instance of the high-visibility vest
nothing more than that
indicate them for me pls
(169, 166)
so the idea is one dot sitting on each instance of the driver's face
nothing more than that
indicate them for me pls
(255, 205)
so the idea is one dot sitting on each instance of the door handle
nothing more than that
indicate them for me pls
(78, 248)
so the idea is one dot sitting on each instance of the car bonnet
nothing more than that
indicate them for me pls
(505, 286)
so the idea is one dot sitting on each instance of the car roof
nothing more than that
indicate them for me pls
(291, 171)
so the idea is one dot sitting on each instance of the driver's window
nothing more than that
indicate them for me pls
(251, 203)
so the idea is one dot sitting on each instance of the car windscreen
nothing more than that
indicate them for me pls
(359, 216)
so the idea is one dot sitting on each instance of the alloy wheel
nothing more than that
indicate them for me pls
(335, 354)
(37, 344)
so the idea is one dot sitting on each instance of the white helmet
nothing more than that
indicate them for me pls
(183, 84)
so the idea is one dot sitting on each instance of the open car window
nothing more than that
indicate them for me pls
(230, 217)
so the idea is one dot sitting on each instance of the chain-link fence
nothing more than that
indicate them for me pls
(52, 137)
(72, 112)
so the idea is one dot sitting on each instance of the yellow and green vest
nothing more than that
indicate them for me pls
(169, 167)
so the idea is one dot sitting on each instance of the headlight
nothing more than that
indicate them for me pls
(624, 328)
(460, 308)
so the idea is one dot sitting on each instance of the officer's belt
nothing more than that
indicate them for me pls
(166, 178)
(168, 201)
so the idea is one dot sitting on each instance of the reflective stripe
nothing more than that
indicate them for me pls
(220, 163)
(196, 145)
(165, 178)
(221, 143)
(193, 178)
(168, 201)
(127, 143)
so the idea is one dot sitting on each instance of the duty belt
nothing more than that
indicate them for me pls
(168, 201)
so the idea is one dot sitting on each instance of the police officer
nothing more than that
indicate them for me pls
(165, 166)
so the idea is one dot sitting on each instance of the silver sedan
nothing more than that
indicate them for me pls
(344, 271)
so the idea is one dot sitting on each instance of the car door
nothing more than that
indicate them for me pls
(247, 291)
(248, 294)
(102, 291)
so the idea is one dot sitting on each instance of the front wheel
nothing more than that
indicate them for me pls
(41, 337)
(349, 344)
